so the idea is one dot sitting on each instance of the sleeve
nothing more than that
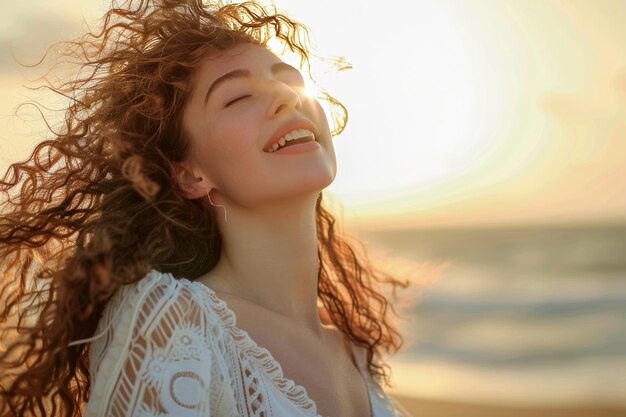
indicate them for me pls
(399, 409)
(163, 358)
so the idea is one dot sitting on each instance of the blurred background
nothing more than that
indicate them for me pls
(488, 137)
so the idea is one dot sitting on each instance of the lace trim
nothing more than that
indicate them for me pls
(263, 357)
(120, 340)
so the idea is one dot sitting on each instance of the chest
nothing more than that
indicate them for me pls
(324, 368)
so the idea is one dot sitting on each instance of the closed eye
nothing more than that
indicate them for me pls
(237, 99)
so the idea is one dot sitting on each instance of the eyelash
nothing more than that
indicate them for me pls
(237, 99)
(246, 96)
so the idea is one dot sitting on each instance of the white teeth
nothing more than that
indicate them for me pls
(295, 134)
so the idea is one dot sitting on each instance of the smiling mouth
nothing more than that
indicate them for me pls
(291, 142)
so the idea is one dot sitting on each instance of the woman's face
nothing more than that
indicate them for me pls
(230, 131)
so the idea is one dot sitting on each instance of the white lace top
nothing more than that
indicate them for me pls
(170, 347)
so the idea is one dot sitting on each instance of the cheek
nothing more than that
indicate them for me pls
(234, 142)
(239, 130)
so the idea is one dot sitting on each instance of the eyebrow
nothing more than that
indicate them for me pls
(241, 72)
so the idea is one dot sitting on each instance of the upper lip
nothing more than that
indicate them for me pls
(289, 127)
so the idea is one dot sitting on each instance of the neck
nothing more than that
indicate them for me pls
(272, 263)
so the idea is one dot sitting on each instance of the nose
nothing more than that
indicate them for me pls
(284, 98)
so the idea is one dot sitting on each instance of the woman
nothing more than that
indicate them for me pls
(175, 237)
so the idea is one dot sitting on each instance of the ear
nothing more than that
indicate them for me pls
(191, 187)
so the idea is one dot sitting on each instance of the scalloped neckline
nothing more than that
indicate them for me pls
(286, 385)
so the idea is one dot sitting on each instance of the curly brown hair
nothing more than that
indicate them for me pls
(97, 207)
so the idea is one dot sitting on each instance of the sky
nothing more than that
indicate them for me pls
(490, 112)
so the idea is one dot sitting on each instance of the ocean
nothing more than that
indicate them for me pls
(518, 315)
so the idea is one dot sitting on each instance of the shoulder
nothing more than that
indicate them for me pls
(153, 291)
(152, 282)
(129, 296)
(159, 296)
(162, 337)
(156, 310)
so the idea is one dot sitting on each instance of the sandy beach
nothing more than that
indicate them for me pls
(419, 407)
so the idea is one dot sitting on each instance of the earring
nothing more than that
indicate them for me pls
(217, 205)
